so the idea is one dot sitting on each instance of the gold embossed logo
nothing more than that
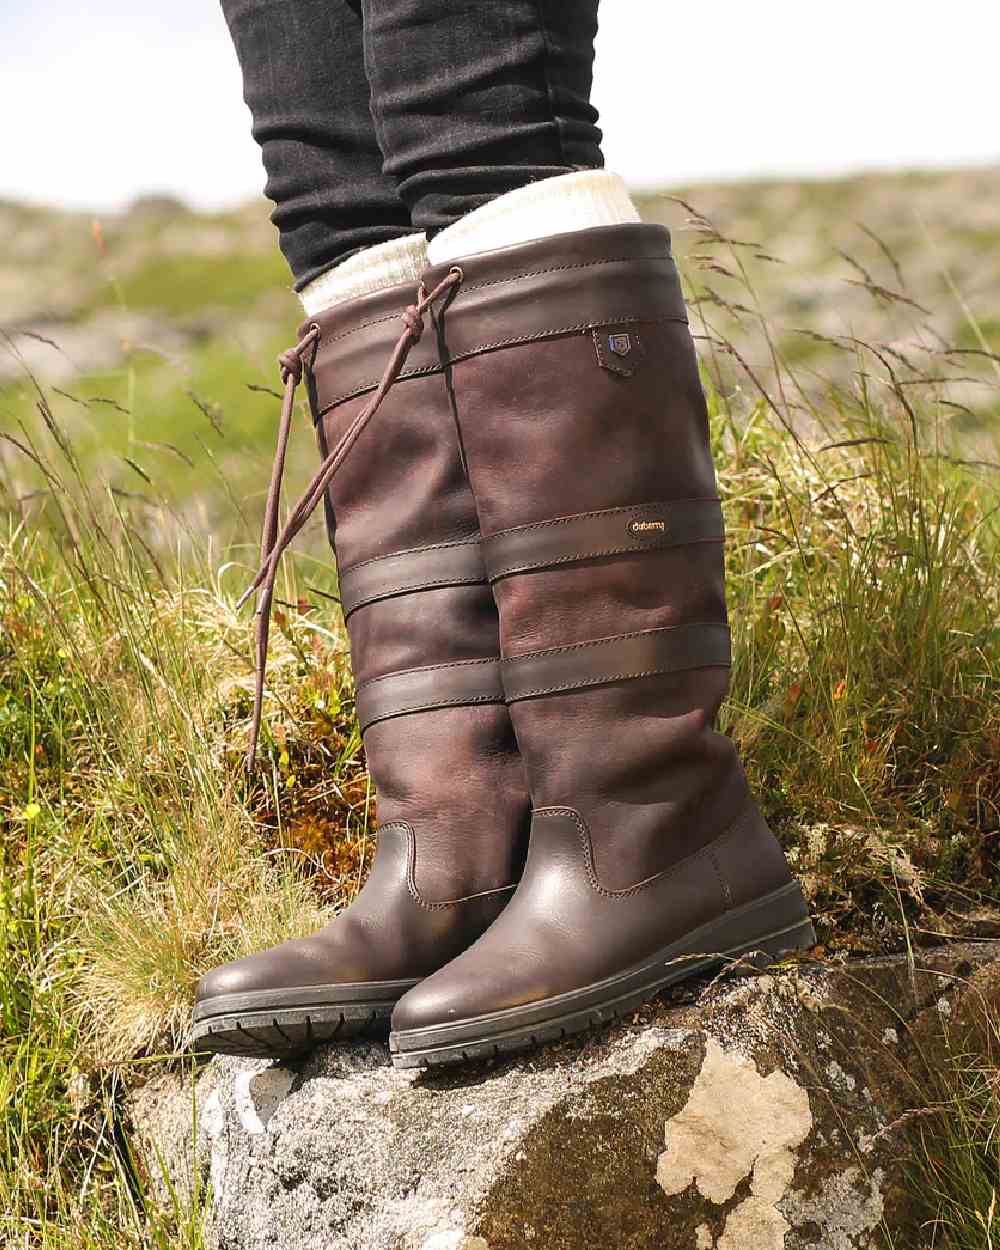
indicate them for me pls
(647, 527)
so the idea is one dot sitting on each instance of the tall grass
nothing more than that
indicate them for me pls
(864, 591)
(135, 853)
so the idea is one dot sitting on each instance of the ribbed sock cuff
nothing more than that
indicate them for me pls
(373, 269)
(577, 201)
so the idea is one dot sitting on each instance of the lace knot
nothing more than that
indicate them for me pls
(413, 320)
(292, 360)
(290, 363)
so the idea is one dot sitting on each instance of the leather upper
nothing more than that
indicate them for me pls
(586, 436)
(422, 623)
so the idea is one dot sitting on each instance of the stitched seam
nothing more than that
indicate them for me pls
(376, 596)
(427, 668)
(457, 902)
(472, 700)
(416, 372)
(582, 264)
(583, 830)
(600, 512)
(404, 587)
(605, 678)
(478, 286)
(633, 512)
(411, 882)
(457, 701)
(660, 544)
(375, 321)
(727, 893)
(600, 354)
(579, 326)
(486, 347)
(607, 642)
(410, 551)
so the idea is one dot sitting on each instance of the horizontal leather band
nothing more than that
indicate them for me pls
(563, 284)
(624, 658)
(610, 532)
(404, 572)
(424, 689)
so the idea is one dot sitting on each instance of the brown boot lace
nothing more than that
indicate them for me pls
(273, 544)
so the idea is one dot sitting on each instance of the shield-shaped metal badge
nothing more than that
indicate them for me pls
(620, 344)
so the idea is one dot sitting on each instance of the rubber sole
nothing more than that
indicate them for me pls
(754, 935)
(286, 1024)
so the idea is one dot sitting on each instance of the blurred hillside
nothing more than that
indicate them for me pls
(813, 274)
(153, 324)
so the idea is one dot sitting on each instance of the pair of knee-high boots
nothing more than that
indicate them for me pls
(530, 549)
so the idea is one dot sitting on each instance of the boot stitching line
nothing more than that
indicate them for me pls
(404, 827)
(439, 367)
(704, 852)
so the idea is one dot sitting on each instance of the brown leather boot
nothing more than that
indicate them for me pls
(586, 436)
(422, 622)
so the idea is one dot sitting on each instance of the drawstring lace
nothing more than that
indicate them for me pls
(273, 545)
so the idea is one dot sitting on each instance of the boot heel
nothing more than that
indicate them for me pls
(770, 950)
(768, 929)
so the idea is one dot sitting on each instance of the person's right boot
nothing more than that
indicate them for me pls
(586, 435)
(452, 797)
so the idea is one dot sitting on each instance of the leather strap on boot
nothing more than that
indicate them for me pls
(609, 532)
(626, 657)
(405, 572)
(595, 535)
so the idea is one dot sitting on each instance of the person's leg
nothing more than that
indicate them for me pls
(419, 612)
(483, 113)
(305, 85)
(475, 98)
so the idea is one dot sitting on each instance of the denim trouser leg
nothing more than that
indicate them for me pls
(380, 117)
(304, 82)
(473, 98)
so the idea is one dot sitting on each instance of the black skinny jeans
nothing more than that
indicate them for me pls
(378, 118)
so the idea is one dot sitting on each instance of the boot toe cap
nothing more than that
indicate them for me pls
(465, 989)
(241, 976)
(299, 962)
(428, 1006)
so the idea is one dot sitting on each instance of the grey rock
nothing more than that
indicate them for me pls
(756, 1112)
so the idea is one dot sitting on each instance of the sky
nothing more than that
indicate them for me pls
(105, 100)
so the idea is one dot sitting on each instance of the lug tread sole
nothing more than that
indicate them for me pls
(757, 955)
(288, 1033)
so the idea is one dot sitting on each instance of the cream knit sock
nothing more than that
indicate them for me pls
(577, 201)
(373, 269)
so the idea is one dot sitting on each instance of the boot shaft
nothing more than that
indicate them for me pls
(420, 615)
(586, 433)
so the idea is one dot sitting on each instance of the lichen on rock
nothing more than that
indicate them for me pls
(736, 1124)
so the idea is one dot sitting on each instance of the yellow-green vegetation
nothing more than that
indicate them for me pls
(864, 591)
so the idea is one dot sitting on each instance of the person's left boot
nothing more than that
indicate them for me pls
(586, 436)
(423, 628)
